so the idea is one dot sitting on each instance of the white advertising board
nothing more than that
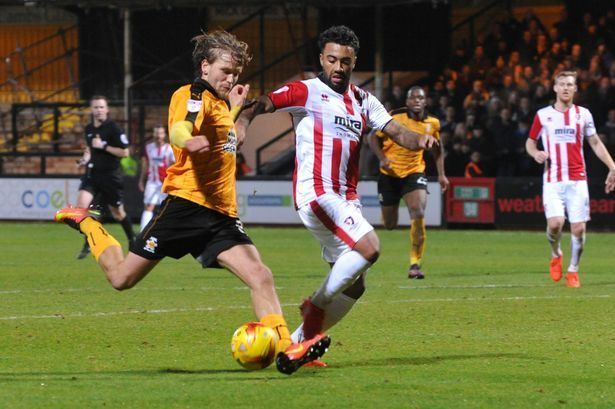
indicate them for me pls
(271, 202)
(268, 202)
(35, 199)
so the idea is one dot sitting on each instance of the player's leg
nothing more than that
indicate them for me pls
(244, 261)
(84, 200)
(388, 196)
(348, 241)
(147, 215)
(120, 215)
(554, 205)
(577, 204)
(416, 201)
(151, 198)
(577, 242)
(113, 191)
(122, 273)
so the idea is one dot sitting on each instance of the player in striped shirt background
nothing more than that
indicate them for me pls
(562, 128)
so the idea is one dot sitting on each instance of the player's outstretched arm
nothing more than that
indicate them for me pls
(372, 141)
(408, 139)
(531, 147)
(262, 106)
(438, 155)
(603, 154)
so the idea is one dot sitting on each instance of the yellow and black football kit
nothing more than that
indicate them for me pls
(200, 214)
(407, 167)
(407, 174)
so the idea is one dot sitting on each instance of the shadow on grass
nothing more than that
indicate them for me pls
(431, 360)
(269, 375)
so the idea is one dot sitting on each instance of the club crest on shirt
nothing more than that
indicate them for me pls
(349, 221)
(151, 244)
(231, 142)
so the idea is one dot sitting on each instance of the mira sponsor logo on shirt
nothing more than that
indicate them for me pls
(565, 133)
(351, 124)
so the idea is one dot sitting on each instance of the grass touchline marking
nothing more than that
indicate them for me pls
(208, 309)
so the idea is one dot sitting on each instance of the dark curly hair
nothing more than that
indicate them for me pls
(209, 46)
(341, 35)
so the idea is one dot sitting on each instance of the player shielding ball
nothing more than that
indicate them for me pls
(331, 116)
(562, 128)
(402, 174)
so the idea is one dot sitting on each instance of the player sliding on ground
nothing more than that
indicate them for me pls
(199, 216)
(563, 127)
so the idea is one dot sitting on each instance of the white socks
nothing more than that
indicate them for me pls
(334, 312)
(576, 245)
(554, 241)
(345, 271)
(146, 216)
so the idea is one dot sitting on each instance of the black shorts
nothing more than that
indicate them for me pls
(108, 186)
(184, 227)
(392, 189)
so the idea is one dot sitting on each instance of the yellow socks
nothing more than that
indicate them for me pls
(278, 323)
(98, 237)
(417, 237)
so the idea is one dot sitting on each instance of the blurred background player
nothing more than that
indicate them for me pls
(158, 156)
(562, 129)
(106, 144)
(402, 173)
(330, 117)
(199, 215)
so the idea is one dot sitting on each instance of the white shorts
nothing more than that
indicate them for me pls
(336, 223)
(153, 193)
(571, 197)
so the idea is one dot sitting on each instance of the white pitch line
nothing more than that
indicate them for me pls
(209, 309)
(482, 286)
(106, 289)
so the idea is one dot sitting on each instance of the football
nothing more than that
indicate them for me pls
(253, 345)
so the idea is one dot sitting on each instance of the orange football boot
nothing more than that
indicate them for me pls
(74, 215)
(301, 353)
(572, 280)
(555, 267)
(316, 363)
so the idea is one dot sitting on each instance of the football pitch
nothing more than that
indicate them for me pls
(486, 329)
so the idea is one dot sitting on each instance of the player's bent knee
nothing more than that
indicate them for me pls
(416, 214)
(121, 283)
(390, 225)
(356, 290)
(372, 255)
(261, 277)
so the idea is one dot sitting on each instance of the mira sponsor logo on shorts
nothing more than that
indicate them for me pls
(151, 244)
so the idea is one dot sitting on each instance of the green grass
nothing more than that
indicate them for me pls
(486, 329)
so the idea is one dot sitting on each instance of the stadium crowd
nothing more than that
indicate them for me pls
(487, 96)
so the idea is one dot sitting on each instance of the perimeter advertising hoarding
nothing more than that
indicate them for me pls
(267, 202)
(518, 203)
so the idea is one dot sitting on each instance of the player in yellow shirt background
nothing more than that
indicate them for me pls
(199, 216)
(402, 173)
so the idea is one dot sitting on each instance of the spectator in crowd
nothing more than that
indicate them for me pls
(474, 166)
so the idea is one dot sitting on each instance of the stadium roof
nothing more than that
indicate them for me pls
(153, 4)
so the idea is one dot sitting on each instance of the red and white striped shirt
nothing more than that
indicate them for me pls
(159, 158)
(328, 131)
(562, 135)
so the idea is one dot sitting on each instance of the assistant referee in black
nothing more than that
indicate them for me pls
(106, 144)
